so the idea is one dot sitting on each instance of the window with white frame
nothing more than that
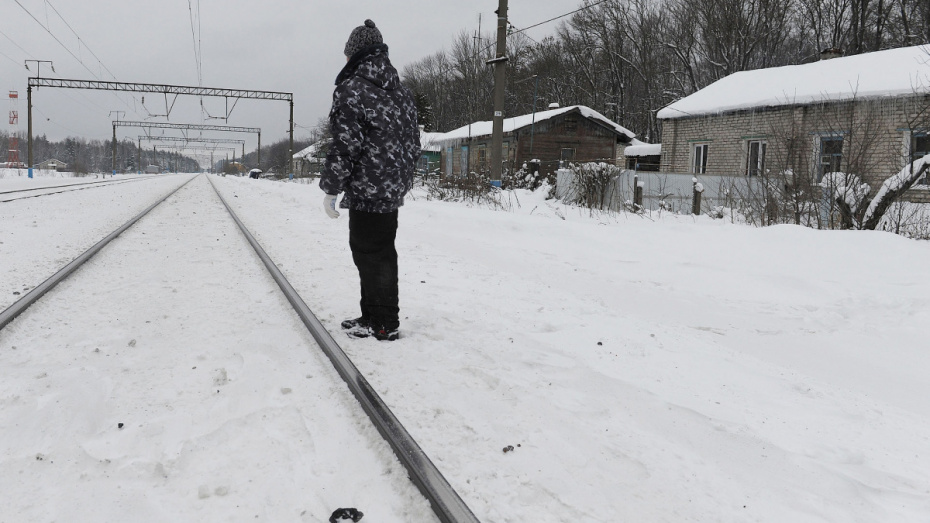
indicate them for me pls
(699, 158)
(920, 147)
(755, 158)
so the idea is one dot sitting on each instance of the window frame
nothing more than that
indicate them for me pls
(482, 162)
(836, 159)
(914, 154)
(450, 161)
(759, 168)
(704, 147)
(464, 160)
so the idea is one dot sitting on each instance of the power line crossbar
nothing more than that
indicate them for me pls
(159, 88)
(188, 127)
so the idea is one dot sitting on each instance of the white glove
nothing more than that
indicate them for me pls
(329, 205)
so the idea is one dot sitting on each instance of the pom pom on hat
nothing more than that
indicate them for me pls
(363, 36)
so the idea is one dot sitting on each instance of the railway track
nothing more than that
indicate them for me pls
(34, 192)
(422, 473)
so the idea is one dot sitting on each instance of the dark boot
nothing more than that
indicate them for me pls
(361, 321)
(384, 333)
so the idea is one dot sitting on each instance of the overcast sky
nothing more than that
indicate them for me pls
(268, 45)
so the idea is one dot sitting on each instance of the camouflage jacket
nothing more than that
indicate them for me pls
(376, 142)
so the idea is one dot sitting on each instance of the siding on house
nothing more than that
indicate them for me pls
(869, 104)
(876, 135)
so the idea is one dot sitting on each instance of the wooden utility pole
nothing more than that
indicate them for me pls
(500, 79)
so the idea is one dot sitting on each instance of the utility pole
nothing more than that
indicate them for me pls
(29, 103)
(500, 78)
(290, 151)
(29, 116)
(114, 136)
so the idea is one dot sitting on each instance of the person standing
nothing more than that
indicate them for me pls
(372, 158)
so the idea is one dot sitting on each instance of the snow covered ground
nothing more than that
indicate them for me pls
(667, 369)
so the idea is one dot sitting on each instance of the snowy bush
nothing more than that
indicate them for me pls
(473, 188)
(911, 220)
(529, 176)
(594, 185)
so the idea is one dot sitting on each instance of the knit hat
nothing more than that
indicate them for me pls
(362, 37)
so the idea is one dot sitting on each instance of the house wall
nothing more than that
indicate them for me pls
(876, 139)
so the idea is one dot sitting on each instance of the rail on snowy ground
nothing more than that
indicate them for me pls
(58, 189)
(446, 503)
(20, 305)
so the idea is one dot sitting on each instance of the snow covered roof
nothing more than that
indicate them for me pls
(639, 148)
(519, 122)
(309, 152)
(894, 72)
(430, 141)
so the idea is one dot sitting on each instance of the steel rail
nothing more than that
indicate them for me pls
(20, 305)
(68, 188)
(445, 502)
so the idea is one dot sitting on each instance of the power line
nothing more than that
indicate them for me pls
(197, 61)
(91, 51)
(17, 45)
(561, 16)
(8, 58)
(584, 8)
(80, 41)
(47, 30)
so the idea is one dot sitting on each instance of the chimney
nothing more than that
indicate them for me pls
(831, 52)
(554, 105)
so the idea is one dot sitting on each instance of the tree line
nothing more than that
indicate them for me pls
(96, 156)
(629, 58)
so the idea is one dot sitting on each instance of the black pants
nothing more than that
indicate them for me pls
(371, 237)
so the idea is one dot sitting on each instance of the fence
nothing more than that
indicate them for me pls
(662, 191)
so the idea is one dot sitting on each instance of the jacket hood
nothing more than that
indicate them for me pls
(371, 64)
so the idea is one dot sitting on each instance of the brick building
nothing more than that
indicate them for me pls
(867, 115)
(566, 134)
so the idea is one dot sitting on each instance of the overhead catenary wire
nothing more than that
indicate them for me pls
(595, 4)
(8, 58)
(17, 45)
(518, 31)
(81, 42)
(65, 47)
(197, 60)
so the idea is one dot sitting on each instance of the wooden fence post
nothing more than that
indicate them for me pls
(698, 189)
(637, 193)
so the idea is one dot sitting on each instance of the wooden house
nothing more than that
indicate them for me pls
(551, 138)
